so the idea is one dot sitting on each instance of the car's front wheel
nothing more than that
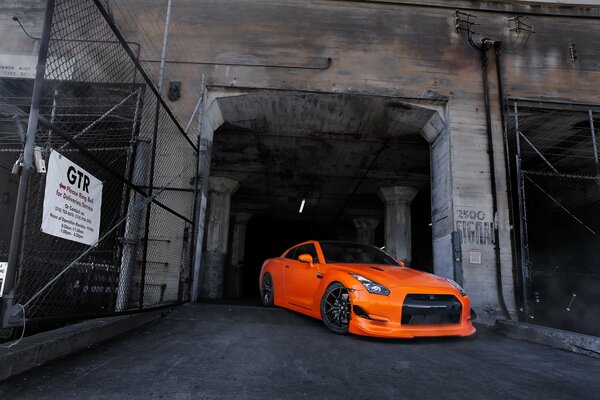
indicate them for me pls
(335, 308)
(266, 290)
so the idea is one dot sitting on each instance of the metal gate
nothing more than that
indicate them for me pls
(556, 172)
(98, 108)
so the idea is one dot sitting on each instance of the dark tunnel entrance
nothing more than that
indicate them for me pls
(269, 237)
(333, 154)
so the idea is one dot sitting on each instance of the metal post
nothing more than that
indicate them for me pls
(52, 115)
(130, 237)
(27, 165)
(593, 137)
(197, 198)
(163, 57)
(153, 154)
(198, 104)
(125, 268)
(523, 221)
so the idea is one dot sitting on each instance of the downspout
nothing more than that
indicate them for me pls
(519, 295)
(486, 45)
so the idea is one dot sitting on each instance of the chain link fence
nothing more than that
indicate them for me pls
(559, 189)
(100, 110)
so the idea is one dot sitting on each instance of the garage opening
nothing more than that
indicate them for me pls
(557, 199)
(308, 166)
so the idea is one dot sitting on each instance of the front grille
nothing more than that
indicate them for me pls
(431, 309)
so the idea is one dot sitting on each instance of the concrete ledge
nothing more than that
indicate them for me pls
(39, 349)
(556, 338)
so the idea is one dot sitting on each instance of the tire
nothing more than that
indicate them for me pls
(267, 291)
(335, 308)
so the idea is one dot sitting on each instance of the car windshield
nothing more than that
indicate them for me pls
(354, 253)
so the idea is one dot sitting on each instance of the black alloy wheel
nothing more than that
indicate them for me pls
(335, 308)
(266, 290)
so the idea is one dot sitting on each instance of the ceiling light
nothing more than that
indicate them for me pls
(301, 206)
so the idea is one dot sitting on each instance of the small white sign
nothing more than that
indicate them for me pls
(13, 66)
(475, 257)
(3, 268)
(72, 201)
(19, 66)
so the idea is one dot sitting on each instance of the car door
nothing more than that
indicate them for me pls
(301, 280)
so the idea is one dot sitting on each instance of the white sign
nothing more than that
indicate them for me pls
(3, 268)
(72, 201)
(12, 66)
(475, 257)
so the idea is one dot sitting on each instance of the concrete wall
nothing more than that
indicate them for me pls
(392, 48)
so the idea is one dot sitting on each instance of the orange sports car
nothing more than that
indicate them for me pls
(360, 289)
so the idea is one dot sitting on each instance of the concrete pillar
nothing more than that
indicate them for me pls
(397, 220)
(220, 191)
(365, 230)
(233, 276)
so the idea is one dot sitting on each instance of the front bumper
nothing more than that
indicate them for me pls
(384, 315)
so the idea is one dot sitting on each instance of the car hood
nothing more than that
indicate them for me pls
(394, 276)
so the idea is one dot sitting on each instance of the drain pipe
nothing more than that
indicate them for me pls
(519, 293)
(485, 46)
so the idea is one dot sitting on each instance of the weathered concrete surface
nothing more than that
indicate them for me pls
(36, 350)
(365, 230)
(237, 352)
(217, 235)
(398, 237)
(556, 338)
(402, 49)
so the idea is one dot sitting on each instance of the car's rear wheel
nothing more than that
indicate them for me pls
(335, 308)
(266, 290)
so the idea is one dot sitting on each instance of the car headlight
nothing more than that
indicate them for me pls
(372, 286)
(457, 286)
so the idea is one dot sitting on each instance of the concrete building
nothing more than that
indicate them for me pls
(379, 116)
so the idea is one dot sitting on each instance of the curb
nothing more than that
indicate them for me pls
(556, 338)
(39, 349)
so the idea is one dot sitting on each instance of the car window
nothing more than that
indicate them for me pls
(291, 254)
(354, 253)
(308, 248)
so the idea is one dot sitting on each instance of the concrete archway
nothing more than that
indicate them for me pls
(374, 121)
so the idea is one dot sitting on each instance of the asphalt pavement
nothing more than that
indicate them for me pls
(216, 351)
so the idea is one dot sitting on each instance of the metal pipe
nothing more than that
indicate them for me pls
(125, 270)
(27, 165)
(490, 150)
(52, 114)
(163, 57)
(132, 228)
(200, 100)
(511, 211)
(197, 198)
(593, 137)
(523, 221)
(153, 151)
(233, 64)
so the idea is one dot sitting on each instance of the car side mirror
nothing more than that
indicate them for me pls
(305, 258)
(401, 262)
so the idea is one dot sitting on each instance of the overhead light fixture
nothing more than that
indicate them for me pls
(302, 206)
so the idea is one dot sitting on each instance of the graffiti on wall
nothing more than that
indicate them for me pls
(474, 226)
